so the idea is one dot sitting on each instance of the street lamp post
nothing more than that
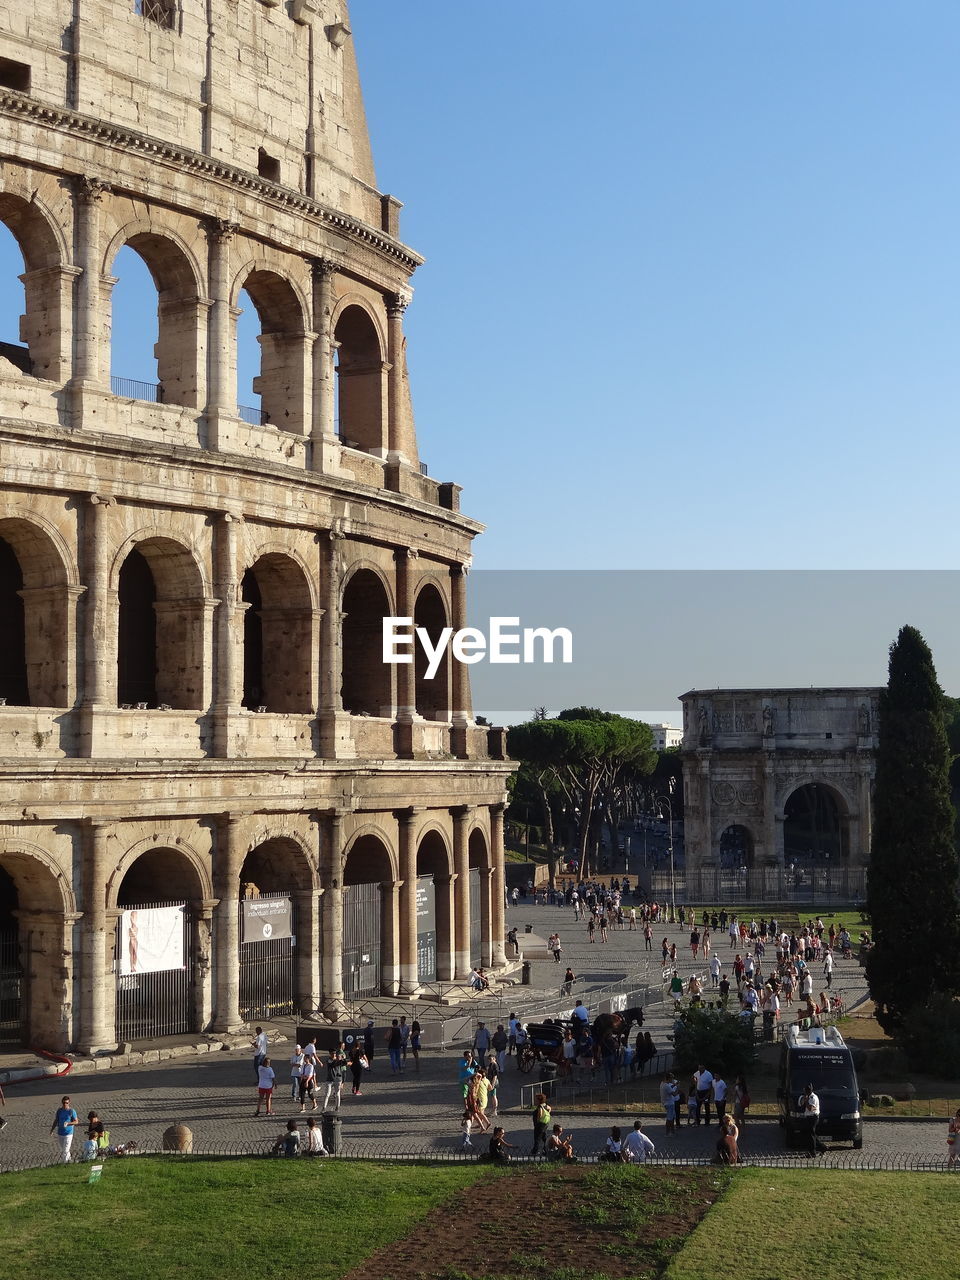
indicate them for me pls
(665, 801)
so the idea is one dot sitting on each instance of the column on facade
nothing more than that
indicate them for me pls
(323, 432)
(497, 886)
(461, 711)
(409, 970)
(331, 880)
(307, 953)
(769, 868)
(97, 1025)
(99, 643)
(406, 678)
(227, 865)
(228, 671)
(390, 937)
(399, 447)
(461, 891)
(88, 323)
(221, 388)
(336, 740)
(202, 961)
(445, 915)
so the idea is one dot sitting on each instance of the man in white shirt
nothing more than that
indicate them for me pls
(704, 1079)
(828, 969)
(636, 1145)
(810, 1106)
(719, 1096)
(715, 970)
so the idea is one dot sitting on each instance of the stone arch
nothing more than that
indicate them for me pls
(435, 943)
(281, 310)
(178, 871)
(480, 864)
(277, 864)
(160, 622)
(35, 901)
(367, 681)
(371, 950)
(432, 696)
(816, 824)
(36, 621)
(736, 846)
(278, 635)
(40, 347)
(361, 368)
(177, 277)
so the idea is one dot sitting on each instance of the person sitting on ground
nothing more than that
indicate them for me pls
(560, 1145)
(288, 1144)
(314, 1137)
(636, 1145)
(613, 1148)
(499, 1147)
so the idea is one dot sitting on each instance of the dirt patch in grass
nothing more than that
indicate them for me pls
(569, 1223)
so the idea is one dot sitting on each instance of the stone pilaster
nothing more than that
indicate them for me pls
(409, 974)
(221, 387)
(461, 706)
(461, 898)
(324, 445)
(99, 635)
(497, 887)
(228, 651)
(227, 865)
(390, 937)
(97, 1023)
(331, 879)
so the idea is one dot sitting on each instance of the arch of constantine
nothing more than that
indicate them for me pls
(216, 802)
(777, 792)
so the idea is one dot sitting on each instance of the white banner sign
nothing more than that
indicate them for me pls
(152, 939)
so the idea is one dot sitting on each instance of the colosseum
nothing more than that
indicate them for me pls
(218, 803)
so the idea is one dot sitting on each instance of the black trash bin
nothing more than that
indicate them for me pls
(332, 1130)
(528, 928)
(548, 1072)
(525, 973)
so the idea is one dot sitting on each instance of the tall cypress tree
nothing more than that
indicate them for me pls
(912, 887)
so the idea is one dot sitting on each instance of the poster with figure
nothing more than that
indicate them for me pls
(152, 939)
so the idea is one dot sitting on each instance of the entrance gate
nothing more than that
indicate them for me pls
(11, 991)
(267, 940)
(361, 940)
(154, 981)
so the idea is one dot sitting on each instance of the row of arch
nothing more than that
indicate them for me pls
(816, 829)
(37, 908)
(162, 637)
(151, 302)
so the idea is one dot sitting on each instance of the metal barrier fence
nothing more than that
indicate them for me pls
(255, 417)
(393, 1153)
(131, 389)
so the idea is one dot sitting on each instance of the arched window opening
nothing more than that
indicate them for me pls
(36, 635)
(160, 628)
(432, 696)
(34, 288)
(360, 377)
(815, 829)
(137, 634)
(155, 338)
(270, 875)
(13, 651)
(278, 640)
(367, 679)
(271, 354)
(479, 860)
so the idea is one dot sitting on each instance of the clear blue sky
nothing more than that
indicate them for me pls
(692, 280)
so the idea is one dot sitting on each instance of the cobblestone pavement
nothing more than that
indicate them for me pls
(215, 1094)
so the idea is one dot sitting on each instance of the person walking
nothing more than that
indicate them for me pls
(404, 1039)
(556, 948)
(394, 1044)
(296, 1065)
(953, 1139)
(261, 1047)
(308, 1081)
(415, 1034)
(336, 1064)
(828, 969)
(541, 1123)
(669, 1096)
(741, 1101)
(810, 1106)
(266, 1077)
(569, 978)
(498, 1044)
(64, 1122)
(368, 1043)
(357, 1059)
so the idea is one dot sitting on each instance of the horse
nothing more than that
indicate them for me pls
(616, 1025)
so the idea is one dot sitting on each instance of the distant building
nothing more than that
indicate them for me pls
(777, 791)
(666, 736)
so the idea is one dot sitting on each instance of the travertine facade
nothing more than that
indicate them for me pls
(777, 788)
(194, 701)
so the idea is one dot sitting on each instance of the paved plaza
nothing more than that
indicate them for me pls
(215, 1093)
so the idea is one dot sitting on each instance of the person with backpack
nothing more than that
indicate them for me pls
(541, 1123)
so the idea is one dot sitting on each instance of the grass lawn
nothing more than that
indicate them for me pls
(794, 1224)
(155, 1217)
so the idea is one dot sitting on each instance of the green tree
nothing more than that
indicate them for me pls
(717, 1039)
(912, 880)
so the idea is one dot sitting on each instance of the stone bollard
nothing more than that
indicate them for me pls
(178, 1138)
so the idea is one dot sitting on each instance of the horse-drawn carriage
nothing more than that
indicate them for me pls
(544, 1043)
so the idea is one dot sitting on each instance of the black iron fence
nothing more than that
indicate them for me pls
(255, 417)
(131, 389)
